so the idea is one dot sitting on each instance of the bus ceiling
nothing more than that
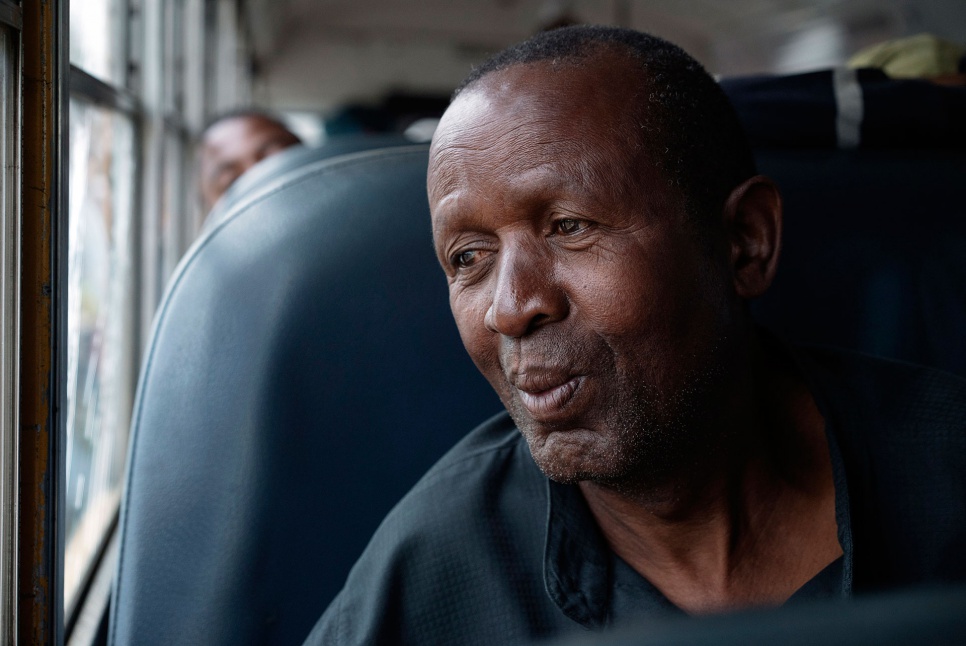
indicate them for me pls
(315, 56)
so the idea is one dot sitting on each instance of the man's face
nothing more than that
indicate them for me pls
(577, 282)
(232, 146)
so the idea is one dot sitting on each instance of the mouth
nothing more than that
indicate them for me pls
(546, 399)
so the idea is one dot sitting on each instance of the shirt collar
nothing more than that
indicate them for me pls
(833, 423)
(577, 560)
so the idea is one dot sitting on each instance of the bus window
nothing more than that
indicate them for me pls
(97, 39)
(143, 78)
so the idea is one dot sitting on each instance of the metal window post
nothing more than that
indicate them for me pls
(43, 294)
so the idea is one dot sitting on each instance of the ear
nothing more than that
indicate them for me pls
(753, 220)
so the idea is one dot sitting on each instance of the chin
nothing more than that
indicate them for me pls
(572, 456)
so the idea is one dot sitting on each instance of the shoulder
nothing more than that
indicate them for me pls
(898, 424)
(492, 456)
(901, 432)
(902, 400)
(492, 441)
(459, 555)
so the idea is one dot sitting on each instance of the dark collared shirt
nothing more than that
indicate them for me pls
(486, 550)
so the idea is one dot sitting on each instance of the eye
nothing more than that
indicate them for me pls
(466, 258)
(569, 226)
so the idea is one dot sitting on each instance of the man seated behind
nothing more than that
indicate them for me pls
(599, 218)
(234, 142)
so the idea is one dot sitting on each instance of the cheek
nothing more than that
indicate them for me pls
(648, 312)
(469, 312)
(617, 299)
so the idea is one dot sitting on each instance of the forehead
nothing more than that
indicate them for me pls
(235, 133)
(578, 119)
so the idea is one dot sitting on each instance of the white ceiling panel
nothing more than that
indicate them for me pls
(316, 54)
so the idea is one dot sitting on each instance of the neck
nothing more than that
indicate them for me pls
(746, 524)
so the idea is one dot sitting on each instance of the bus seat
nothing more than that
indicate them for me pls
(871, 171)
(874, 252)
(304, 370)
(921, 615)
(296, 157)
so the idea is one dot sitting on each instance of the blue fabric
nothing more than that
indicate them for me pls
(873, 238)
(931, 615)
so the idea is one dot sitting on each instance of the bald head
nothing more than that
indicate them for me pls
(681, 116)
(573, 112)
(233, 144)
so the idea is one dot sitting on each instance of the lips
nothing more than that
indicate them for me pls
(546, 396)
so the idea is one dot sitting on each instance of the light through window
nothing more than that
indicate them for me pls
(96, 38)
(100, 350)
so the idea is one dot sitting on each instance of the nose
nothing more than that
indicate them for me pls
(526, 294)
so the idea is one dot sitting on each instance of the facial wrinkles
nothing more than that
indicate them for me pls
(650, 430)
(548, 347)
(502, 95)
(652, 415)
(481, 153)
(523, 120)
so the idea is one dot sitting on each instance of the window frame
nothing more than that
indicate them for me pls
(11, 22)
(43, 134)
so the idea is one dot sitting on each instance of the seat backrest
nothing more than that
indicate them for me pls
(871, 169)
(291, 158)
(303, 372)
(874, 255)
(911, 616)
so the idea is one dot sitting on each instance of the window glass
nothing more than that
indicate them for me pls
(100, 370)
(193, 76)
(118, 265)
(173, 57)
(97, 43)
(173, 207)
(231, 79)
